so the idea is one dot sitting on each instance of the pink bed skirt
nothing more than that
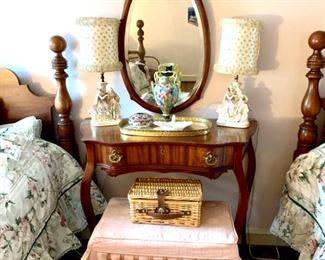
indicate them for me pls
(115, 237)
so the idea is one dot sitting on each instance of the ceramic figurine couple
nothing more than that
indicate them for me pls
(233, 111)
(106, 110)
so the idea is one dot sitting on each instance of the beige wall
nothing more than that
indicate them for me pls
(274, 94)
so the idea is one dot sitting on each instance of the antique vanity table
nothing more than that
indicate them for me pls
(209, 154)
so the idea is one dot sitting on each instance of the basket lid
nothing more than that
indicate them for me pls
(177, 189)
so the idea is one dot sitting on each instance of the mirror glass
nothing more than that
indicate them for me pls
(160, 36)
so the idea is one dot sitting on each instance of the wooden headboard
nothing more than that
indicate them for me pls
(312, 102)
(17, 101)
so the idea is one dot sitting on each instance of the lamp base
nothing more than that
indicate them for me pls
(233, 111)
(106, 110)
(243, 124)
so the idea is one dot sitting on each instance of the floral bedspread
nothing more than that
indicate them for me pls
(39, 199)
(301, 218)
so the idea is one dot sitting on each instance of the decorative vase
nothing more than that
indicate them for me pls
(165, 91)
(170, 68)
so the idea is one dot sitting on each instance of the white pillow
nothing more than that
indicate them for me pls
(5, 126)
(30, 127)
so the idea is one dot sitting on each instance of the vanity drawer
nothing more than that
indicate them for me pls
(210, 157)
(155, 155)
(110, 155)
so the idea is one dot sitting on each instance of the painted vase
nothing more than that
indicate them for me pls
(165, 91)
(171, 68)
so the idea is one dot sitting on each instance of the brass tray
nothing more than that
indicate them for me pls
(199, 126)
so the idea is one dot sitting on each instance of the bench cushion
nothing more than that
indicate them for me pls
(115, 237)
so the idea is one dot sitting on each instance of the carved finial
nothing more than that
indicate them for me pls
(59, 63)
(316, 40)
(140, 24)
(316, 61)
(57, 44)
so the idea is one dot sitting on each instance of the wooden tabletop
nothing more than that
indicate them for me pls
(217, 135)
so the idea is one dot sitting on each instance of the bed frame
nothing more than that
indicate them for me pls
(140, 54)
(312, 102)
(17, 101)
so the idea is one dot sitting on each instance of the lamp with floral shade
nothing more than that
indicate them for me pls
(99, 53)
(238, 55)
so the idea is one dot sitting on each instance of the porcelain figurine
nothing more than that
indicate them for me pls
(106, 110)
(233, 111)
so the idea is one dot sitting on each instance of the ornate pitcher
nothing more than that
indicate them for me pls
(165, 91)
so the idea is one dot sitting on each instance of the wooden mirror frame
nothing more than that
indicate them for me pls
(206, 62)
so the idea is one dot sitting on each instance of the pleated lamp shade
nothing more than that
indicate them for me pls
(98, 44)
(239, 46)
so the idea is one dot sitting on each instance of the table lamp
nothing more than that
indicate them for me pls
(238, 55)
(99, 53)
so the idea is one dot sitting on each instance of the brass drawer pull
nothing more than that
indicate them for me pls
(211, 159)
(115, 156)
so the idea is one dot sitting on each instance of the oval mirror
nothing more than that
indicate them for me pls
(164, 34)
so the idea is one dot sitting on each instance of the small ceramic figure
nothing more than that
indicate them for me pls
(106, 110)
(114, 105)
(233, 111)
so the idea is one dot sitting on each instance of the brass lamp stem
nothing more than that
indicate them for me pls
(102, 79)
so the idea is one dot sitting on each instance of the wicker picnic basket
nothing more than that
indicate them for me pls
(166, 201)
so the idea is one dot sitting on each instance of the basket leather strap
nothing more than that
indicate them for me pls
(162, 211)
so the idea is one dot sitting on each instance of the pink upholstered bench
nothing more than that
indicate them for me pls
(115, 237)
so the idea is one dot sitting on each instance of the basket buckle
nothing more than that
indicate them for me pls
(162, 211)
(162, 208)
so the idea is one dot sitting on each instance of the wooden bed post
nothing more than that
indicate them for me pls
(311, 104)
(141, 49)
(62, 103)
